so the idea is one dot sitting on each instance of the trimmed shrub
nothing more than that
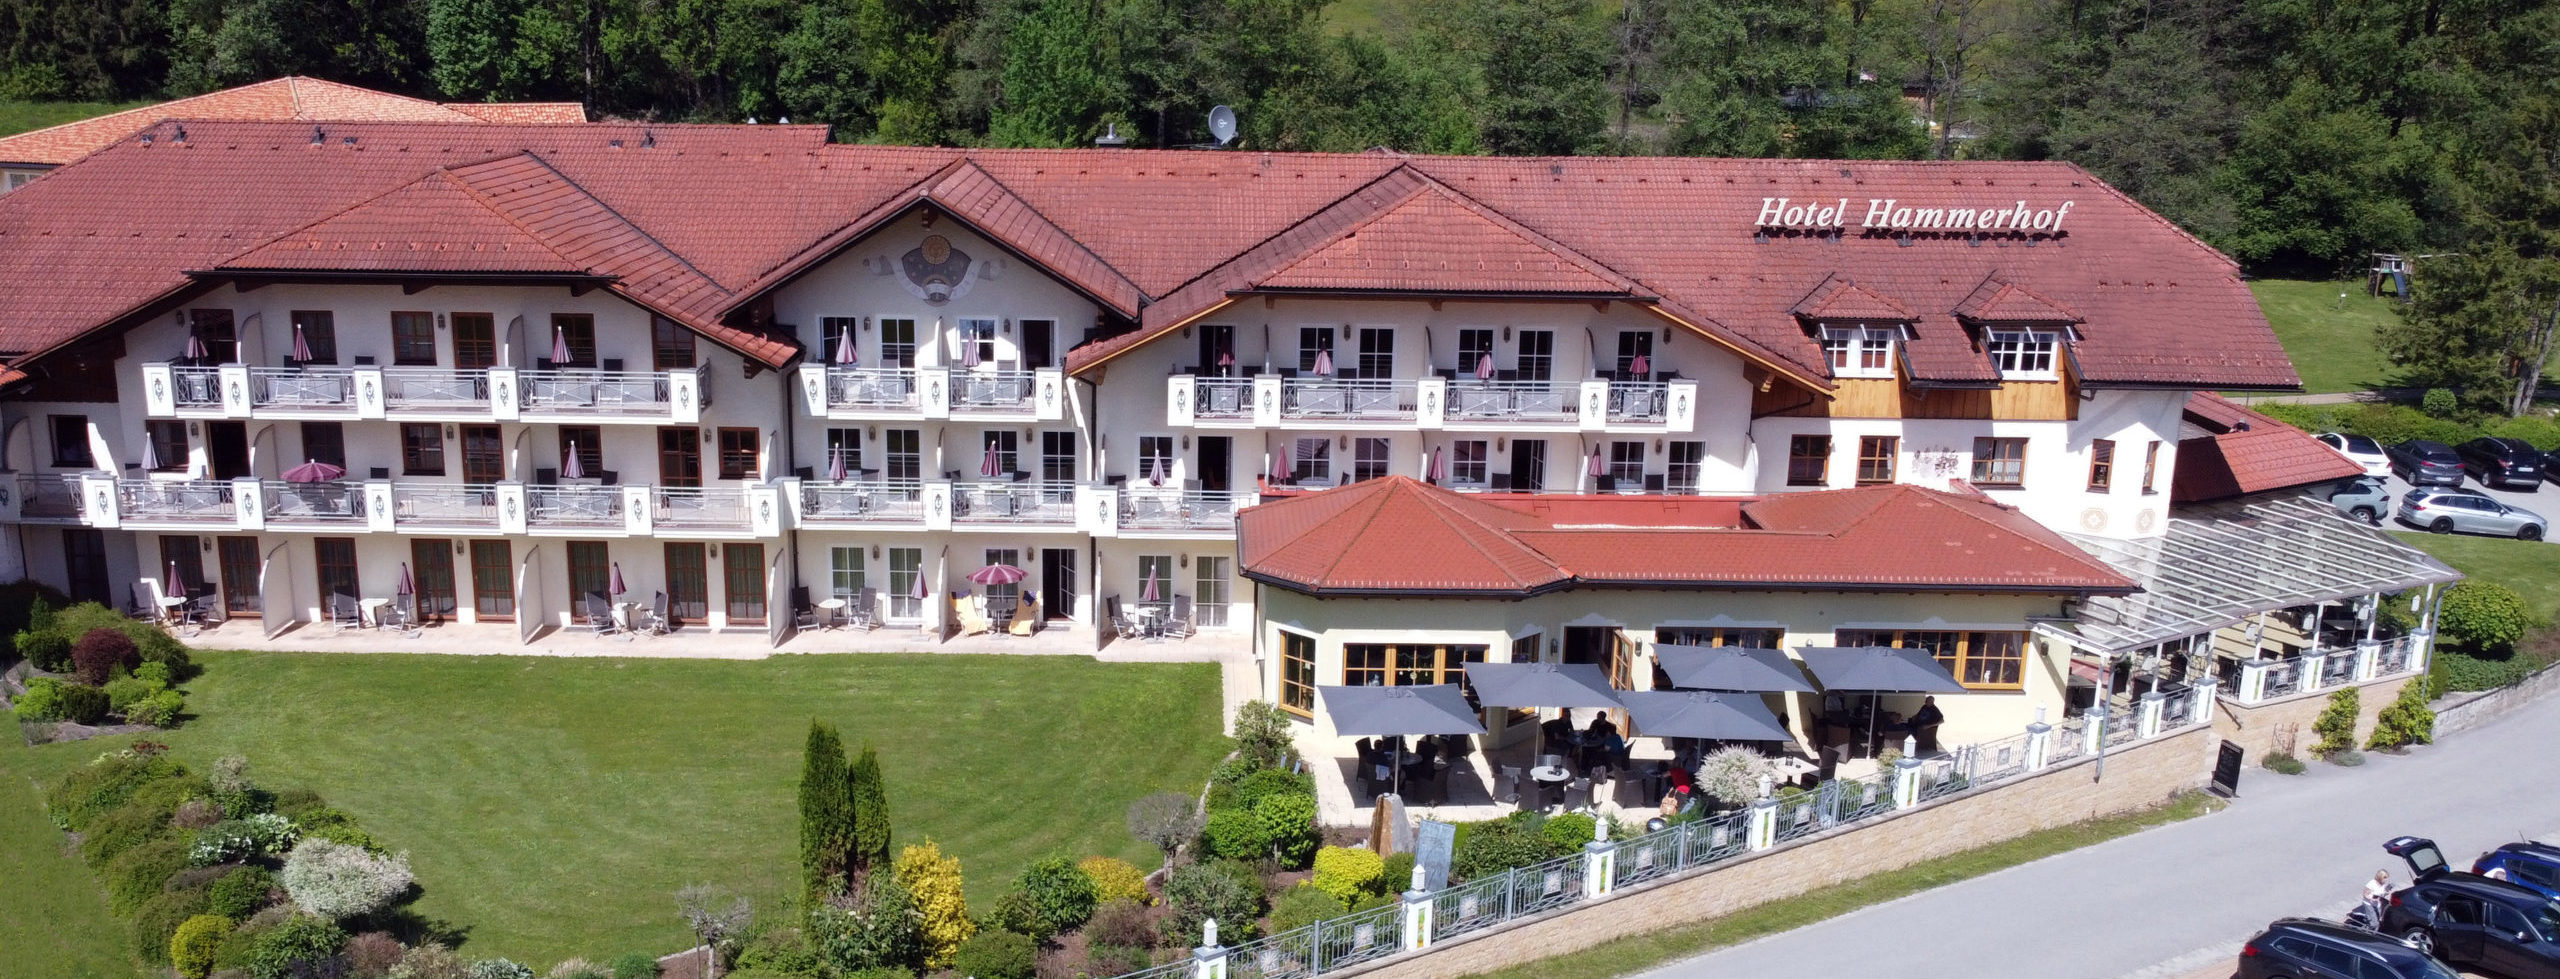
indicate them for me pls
(1115, 879)
(155, 924)
(2407, 720)
(158, 710)
(335, 881)
(1397, 875)
(942, 912)
(130, 825)
(126, 691)
(1123, 923)
(996, 954)
(1237, 834)
(192, 948)
(238, 949)
(302, 945)
(100, 654)
(635, 965)
(82, 704)
(1270, 782)
(2439, 402)
(1567, 832)
(2484, 617)
(92, 790)
(826, 812)
(1305, 905)
(1062, 897)
(1199, 892)
(2336, 725)
(869, 793)
(1265, 738)
(159, 673)
(1345, 872)
(42, 701)
(48, 651)
(242, 892)
(780, 951)
(2283, 764)
(1494, 846)
(499, 969)
(1289, 824)
(2451, 670)
(135, 876)
(373, 955)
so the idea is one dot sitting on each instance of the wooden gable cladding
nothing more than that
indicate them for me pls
(1862, 397)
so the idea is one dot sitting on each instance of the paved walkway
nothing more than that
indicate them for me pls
(2178, 900)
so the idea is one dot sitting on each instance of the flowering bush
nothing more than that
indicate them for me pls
(264, 834)
(499, 969)
(1345, 871)
(193, 947)
(933, 880)
(1114, 879)
(336, 881)
(1732, 775)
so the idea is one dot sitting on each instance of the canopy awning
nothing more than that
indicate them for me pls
(2221, 563)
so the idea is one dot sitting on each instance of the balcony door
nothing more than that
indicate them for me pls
(431, 564)
(742, 582)
(493, 580)
(1216, 459)
(227, 445)
(84, 565)
(484, 455)
(1058, 582)
(238, 559)
(679, 458)
(475, 341)
(688, 582)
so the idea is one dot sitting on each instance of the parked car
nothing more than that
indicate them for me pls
(2445, 511)
(2365, 498)
(2359, 449)
(2425, 462)
(2301, 948)
(2471, 920)
(2551, 465)
(2502, 462)
(2532, 865)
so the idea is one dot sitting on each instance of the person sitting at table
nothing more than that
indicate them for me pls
(1928, 714)
(1602, 746)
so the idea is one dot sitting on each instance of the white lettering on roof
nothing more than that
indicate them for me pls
(1887, 214)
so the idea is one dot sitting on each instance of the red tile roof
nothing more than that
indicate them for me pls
(1435, 242)
(2248, 452)
(1998, 300)
(1842, 298)
(291, 98)
(1397, 536)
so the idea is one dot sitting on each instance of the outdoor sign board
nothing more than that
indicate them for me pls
(1437, 842)
(2226, 771)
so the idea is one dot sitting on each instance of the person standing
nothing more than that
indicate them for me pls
(2376, 891)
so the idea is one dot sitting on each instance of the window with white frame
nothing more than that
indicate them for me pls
(1368, 458)
(979, 332)
(1058, 458)
(2022, 353)
(1313, 340)
(832, 331)
(1377, 352)
(1467, 462)
(897, 343)
(1537, 355)
(1687, 460)
(1003, 596)
(1314, 460)
(906, 453)
(1007, 446)
(1626, 464)
(1473, 347)
(1859, 351)
(1155, 459)
(906, 567)
(1155, 580)
(1209, 590)
(1632, 345)
(844, 572)
(844, 444)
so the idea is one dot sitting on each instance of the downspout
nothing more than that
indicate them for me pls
(791, 464)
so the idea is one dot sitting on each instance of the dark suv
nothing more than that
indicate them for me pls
(2471, 920)
(2426, 463)
(2503, 462)
(2308, 947)
(2534, 865)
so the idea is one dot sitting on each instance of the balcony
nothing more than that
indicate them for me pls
(871, 502)
(49, 498)
(327, 391)
(384, 506)
(1512, 401)
(311, 504)
(1333, 399)
(1433, 403)
(907, 393)
(1147, 509)
(883, 389)
(189, 501)
(586, 394)
(366, 391)
(471, 506)
(992, 392)
(1027, 504)
(435, 390)
(697, 509)
(574, 507)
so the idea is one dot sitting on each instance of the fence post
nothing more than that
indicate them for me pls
(1599, 861)
(1209, 961)
(1764, 818)
(2038, 733)
(2314, 662)
(1417, 914)
(2147, 722)
(2202, 705)
(2093, 725)
(1906, 775)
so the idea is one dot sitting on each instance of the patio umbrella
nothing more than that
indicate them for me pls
(1597, 467)
(150, 456)
(570, 468)
(409, 586)
(835, 463)
(1877, 669)
(1147, 592)
(195, 346)
(1439, 708)
(559, 347)
(1533, 685)
(990, 466)
(1226, 358)
(177, 586)
(1703, 714)
(1439, 470)
(1738, 668)
(301, 346)
(1155, 472)
(1484, 367)
(1324, 363)
(999, 574)
(845, 355)
(313, 471)
(1280, 463)
(918, 592)
(969, 349)
(1643, 364)
(616, 586)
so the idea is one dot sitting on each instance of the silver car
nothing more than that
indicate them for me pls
(2445, 511)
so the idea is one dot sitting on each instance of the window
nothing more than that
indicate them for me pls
(1626, 464)
(844, 443)
(1809, 460)
(214, 327)
(1859, 351)
(1007, 445)
(1999, 462)
(20, 178)
(1298, 673)
(588, 441)
(71, 441)
(2102, 465)
(980, 333)
(1209, 590)
(1380, 665)
(832, 331)
(1631, 345)
(688, 582)
(844, 572)
(906, 569)
(897, 343)
(475, 341)
(1368, 458)
(906, 453)
(1473, 347)
(1467, 466)
(1314, 460)
(1537, 355)
(186, 552)
(1377, 352)
(413, 339)
(1311, 341)
(319, 329)
(324, 442)
(2151, 468)
(1980, 660)
(1155, 578)
(739, 451)
(1003, 596)
(590, 573)
(421, 449)
(1058, 458)
(1688, 461)
(1155, 458)
(1696, 636)
(578, 332)
(670, 345)
(742, 582)
(333, 560)
(1876, 455)
(2022, 353)
(1528, 465)
(168, 445)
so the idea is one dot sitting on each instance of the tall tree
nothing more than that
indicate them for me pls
(869, 800)
(2317, 184)
(821, 78)
(1061, 78)
(1540, 67)
(826, 814)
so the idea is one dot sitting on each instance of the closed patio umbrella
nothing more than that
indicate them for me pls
(1147, 591)
(990, 466)
(571, 468)
(845, 355)
(616, 586)
(835, 463)
(301, 345)
(150, 456)
(1877, 669)
(968, 348)
(1439, 708)
(1484, 367)
(195, 346)
(1280, 463)
(1731, 668)
(313, 471)
(1155, 472)
(1439, 470)
(1643, 364)
(409, 585)
(177, 585)
(1597, 467)
(918, 592)
(559, 347)
(1324, 363)
(1703, 714)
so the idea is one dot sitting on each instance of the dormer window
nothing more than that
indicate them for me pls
(1859, 351)
(2023, 354)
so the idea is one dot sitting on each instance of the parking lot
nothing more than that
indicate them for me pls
(2545, 501)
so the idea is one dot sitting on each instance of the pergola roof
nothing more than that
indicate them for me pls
(2219, 564)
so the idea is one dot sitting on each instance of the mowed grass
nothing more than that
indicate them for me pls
(2532, 568)
(53, 916)
(551, 807)
(18, 117)
(2331, 341)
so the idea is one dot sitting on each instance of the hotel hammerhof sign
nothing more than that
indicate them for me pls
(1892, 216)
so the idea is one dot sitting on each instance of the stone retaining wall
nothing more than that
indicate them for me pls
(2141, 774)
(2253, 726)
(2461, 712)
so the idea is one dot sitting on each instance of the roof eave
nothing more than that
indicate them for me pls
(1441, 294)
(1694, 584)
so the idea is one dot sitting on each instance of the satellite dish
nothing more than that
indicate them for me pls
(1222, 124)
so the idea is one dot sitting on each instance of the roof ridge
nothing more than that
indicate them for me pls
(2032, 528)
(971, 160)
(1448, 515)
(505, 214)
(358, 205)
(2154, 216)
(625, 219)
(1506, 222)
(1239, 254)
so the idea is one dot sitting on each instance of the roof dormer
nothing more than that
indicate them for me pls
(1859, 328)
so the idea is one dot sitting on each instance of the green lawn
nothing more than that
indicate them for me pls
(2532, 568)
(18, 117)
(2331, 341)
(53, 917)
(553, 806)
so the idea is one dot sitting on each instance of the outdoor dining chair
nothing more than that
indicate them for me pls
(659, 624)
(803, 614)
(865, 611)
(600, 615)
(344, 612)
(1179, 625)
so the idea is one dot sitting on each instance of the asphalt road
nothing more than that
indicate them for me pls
(2178, 900)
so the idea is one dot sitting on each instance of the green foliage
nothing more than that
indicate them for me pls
(134, 877)
(150, 642)
(1253, 788)
(156, 922)
(2484, 617)
(781, 951)
(48, 651)
(1346, 871)
(2407, 720)
(1305, 905)
(996, 954)
(1199, 892)
(1124, 923)
(42, 701)
(1567, 832)
(1288, 823)
(2283, 763)
(1396, 876)
(1235, 833)
(132, 824)
(1494, 846)
(2336, 724)
(1061, 896)
(296, 947)
(192, 948)
(942, 912)
(870, 799)
(2440, 403)
(826, 813)
(124, 692)
(89, 791)
(1115, 879)
(161, 709)
(241, 892)
(80, 703)
(1265, 737)
(2349, 758)
(2480, 326)
(634, 965)
(2454, 671)
(879, 929)
(499, 969)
